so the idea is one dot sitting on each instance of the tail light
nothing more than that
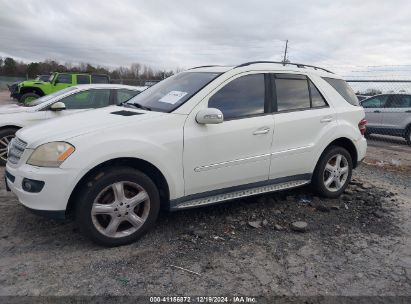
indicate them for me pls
(361, 126)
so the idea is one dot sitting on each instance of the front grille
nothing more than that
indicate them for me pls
(16, 150)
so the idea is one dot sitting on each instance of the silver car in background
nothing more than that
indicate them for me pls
(389, 114)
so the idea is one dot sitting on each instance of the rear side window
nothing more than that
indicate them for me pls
(399, 101)
(99, 79)
(83, 79)
(241, 97)
(64, 78)
(343, 89)
(292, 94)
(317, 100)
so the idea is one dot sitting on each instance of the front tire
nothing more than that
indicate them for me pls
(117, 206)
(333, 172)
(28, 98)
(6, 135)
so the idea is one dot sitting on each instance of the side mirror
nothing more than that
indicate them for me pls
(58, 106)
(209, 116)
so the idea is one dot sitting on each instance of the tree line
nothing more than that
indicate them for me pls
(11, 67)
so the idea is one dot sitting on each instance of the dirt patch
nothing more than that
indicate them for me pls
(358, 244)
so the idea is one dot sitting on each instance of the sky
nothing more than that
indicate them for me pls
(343, 35)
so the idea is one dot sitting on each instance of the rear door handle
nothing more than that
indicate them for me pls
(408, 111)
(376, 111)
(263, 130)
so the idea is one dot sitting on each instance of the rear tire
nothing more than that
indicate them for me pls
(28, 98)
(333, 172)
(408, 136)
(6, 135)
(117, 206)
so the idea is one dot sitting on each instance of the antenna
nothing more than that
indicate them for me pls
(285, 52)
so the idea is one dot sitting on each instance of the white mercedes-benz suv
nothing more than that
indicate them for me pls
(203, 136)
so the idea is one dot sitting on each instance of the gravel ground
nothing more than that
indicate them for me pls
(357, 245)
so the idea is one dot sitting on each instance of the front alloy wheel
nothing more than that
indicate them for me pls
(6, 135)
(120, 209)
(117, 206)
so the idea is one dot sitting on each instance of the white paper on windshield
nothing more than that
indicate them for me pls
(173, 97)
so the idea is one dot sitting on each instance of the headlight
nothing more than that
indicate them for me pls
(51, 154)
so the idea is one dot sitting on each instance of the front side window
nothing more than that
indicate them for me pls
(94, 98)
(399, 101)
(375, 102)
(292, 94)
(83, 79)
(170, 93)
(343, 89)
(48, 97)
(241, 97)
(64, 78)
(125, 95)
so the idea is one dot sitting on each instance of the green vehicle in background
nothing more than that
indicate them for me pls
(29, 90)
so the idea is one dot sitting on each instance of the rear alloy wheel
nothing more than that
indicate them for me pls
(333, 172)
(118, 207)
(336, 173)
(6, 135)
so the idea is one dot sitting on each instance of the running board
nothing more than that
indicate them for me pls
(214, 199)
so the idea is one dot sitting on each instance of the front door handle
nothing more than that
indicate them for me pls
(261, 131)
(377, 111)
(408, 111)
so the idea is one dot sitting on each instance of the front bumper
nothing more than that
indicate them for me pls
(52, 200)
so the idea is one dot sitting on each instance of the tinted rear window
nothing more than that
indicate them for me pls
(99, 79)
(83, 79)
(343, 89)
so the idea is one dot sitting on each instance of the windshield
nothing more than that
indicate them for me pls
(50, 96)
(51, 77)
(169, 94)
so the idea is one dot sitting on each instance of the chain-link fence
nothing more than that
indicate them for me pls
(387, 106)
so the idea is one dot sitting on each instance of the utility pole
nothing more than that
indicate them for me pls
(285, 52)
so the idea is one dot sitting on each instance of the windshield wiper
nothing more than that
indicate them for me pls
(137, 105)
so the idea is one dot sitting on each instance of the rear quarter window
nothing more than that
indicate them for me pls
(343, 89)
(99, 79)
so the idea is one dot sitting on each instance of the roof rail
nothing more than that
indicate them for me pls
(203, 66)
(299, 65)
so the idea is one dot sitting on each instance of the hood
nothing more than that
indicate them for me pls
(66, 127)
(13, 108)
(31, 83)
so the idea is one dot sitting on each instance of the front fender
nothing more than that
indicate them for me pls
(166, 156)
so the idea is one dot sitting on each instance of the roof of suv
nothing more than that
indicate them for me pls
(267, 65)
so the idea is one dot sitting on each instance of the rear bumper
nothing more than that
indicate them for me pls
(361, 146)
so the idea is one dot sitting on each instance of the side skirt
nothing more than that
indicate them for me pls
(222, 195)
